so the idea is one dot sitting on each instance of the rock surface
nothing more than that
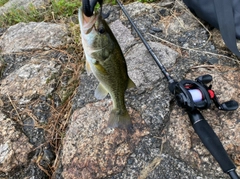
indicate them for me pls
(29, 80)
(39, 36)
(11, 4)
(120, 30)
(49, 130)
(91, 150)
(14, 145)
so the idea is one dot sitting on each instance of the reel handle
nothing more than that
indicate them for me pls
(212, 142)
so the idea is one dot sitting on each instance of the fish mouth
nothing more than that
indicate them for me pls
(86, 27)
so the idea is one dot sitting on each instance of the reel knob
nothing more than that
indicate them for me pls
(229, 105)
(204, 79)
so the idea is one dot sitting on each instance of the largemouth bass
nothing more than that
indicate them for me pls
(105, 60)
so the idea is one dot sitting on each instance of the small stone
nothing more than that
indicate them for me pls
(156, 29)
(151, 31)
(151, 11)
(47, 158)
(213, 61)
(203, 59)
(130, 161)
(182, 40)
(212, 47)
(2, 30)
(164, 12)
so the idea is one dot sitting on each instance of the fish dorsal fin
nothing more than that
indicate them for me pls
(88, 68)
(100, 92)
(131, 84)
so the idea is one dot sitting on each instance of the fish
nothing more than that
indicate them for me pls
(104, 58)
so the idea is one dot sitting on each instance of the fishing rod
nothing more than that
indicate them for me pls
(160, 65)
(194, 95)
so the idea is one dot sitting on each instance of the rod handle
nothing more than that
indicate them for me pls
(233, 174)
(211, 141)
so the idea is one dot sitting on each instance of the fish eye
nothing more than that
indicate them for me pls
(101, 30)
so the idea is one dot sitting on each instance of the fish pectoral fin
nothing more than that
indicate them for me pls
(131, 84)
(100, 92)
(100, 68)
(88, 68)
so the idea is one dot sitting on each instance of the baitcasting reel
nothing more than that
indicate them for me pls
(196, 94)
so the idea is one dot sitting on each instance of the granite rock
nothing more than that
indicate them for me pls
(29, 80)
(22, 4)
(91, 149)
(14, 145)
(40, 36)
(119, 30)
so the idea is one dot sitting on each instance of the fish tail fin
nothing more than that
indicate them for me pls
(119, 118)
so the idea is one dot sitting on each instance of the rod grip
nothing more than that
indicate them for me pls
(210, 140)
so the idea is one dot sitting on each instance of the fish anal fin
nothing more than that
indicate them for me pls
(100, 92)
(131, 84)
